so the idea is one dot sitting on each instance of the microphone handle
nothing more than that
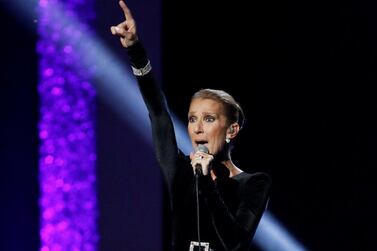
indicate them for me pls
(198, 169)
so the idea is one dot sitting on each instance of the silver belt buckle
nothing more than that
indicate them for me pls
(204, 246)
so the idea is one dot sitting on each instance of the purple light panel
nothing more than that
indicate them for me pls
(67, 130)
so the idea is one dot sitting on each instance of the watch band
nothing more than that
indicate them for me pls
(142, 71)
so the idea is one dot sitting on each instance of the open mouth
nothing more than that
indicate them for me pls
(200, 142)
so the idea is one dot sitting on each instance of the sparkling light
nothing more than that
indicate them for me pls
(66, 130)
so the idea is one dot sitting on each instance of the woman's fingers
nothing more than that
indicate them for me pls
(118, 30)
(201, 158)
(123, 30)
(115, 31)
(126, 30)
(126, 10)
(129, 24)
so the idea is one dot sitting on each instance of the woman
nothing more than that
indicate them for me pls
(225, 213)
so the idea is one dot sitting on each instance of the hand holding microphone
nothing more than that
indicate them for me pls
(201, 160)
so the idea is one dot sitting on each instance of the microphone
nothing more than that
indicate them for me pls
(198, 166)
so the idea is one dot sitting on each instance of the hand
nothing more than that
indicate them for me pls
(126, 30)
(202, 158)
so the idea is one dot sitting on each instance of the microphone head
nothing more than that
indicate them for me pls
(202, 148)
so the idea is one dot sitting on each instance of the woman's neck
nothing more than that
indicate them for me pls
(230, 166)
(233, 169)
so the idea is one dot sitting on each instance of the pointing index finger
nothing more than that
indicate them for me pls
(126, 10)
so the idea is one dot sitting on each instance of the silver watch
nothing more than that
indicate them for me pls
(142, 71)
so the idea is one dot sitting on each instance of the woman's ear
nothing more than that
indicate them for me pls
(233, 130)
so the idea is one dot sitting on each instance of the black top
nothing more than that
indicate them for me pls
(230, 208)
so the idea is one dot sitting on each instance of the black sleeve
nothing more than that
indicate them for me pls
(236, 229)
(164, 141)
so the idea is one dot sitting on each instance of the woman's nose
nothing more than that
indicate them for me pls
(198, 127)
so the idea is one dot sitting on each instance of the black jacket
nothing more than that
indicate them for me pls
(230, 208)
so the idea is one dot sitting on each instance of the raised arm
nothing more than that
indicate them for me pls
(164, 140)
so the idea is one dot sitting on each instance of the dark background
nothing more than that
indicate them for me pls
(19, 227)
(304, 73)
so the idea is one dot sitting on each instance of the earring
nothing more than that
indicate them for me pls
(227, 140)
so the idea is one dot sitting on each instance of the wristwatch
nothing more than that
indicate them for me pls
(142, 71)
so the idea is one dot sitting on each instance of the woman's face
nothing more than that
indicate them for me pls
(207, 124)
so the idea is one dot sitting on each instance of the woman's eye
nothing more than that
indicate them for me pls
(191, 119)
(209, 119)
